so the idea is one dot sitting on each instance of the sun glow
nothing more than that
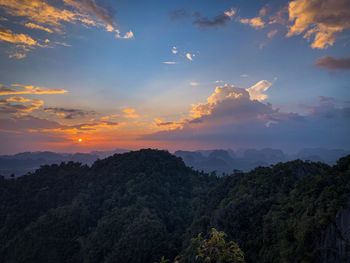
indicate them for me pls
(80, 140)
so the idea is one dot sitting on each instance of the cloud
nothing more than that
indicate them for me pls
(39, 27)
(231, 117)
(69, 114)
(90, 7)
(130, 113)
(272, 33)
(168, 125)
(256, 92)
(7, 35)
(127, 35)
(220, 20)
(19, 105)
(28, 89)
(255, 22)
(194, 83)
(169, 62)
(19, 52)
(40, 12)
(333, 63)
(174, 50)
(189, 56)
(319, 20)
(45, 16)
(264, 11)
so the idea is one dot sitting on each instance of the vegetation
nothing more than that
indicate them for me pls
(147, 206)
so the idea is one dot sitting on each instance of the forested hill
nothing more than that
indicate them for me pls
(147, 206)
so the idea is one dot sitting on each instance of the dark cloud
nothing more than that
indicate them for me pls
(70, 113)
(219, 20)
(333, 63)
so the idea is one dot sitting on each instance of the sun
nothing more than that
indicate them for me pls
(80, 140)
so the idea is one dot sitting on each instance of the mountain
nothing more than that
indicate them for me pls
(146, 205)
(226, 161)
(22, 163)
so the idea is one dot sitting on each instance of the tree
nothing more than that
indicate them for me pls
(215, 249)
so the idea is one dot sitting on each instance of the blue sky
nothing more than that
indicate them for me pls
(111, 73)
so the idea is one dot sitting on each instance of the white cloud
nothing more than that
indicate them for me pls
(194, 83)
(190, 56)
(256, 92)
(170, 62)
(127, 35)
(174, 50)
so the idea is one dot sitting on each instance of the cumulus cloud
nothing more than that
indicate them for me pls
(234, 116)
(319, 21)
(219, 20)
(19, 89)
(231, 117)
(256, 92)
(333, 63)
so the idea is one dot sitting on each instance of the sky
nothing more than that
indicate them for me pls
(77, 76)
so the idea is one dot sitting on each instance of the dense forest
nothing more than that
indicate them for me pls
(148, 206)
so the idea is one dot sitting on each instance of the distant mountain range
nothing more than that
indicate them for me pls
(22, 163)
(226, 161)
(220, 161)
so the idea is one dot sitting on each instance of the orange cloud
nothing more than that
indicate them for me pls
(255, 22)
(28, 89)
(319, 20)
(7, 35)
(39, 27)
(130, 113)
(19, 105)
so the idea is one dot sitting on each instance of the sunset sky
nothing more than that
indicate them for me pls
(83, 75)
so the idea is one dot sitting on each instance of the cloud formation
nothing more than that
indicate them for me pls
(130, 113)
(69, 114)
(319, 21)
(333, 63)
(19, 89)
(237, 117)
(255, 22)
(39, 27)
(7, 35)
(49, 18)
(19, 105)
(170, 62)
(219, 20)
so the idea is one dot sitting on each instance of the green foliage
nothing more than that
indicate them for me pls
(215, 249)
(147, 206)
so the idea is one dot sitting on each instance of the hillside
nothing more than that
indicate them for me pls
(144, 205)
